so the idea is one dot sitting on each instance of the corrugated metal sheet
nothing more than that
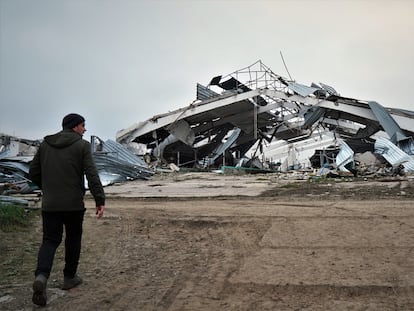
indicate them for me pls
(301, 89)
(127, 170)
(329, 89)
(312, 115)
(387, 122)
(407, 145)
(115, 163)
(345, 156)
(223, 147)
(118, 151)
(15, 165)
(4, 199)
(204, 92)
(14, 172)
(394, 155)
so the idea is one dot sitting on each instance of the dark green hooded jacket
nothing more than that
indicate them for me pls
(58, 168)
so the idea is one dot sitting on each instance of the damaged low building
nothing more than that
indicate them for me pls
(254, 112)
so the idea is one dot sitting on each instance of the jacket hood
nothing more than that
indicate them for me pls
(63, 139)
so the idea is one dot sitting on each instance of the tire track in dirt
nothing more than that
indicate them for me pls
(119, 296)
(110, 264)
(324, 297)
(223, 243)
(318, 297)
(194, 273)
(190, 255)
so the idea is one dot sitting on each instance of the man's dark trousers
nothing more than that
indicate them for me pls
(53, 223)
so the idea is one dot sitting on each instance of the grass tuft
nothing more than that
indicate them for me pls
(12, 217)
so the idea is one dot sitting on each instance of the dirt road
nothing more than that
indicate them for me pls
(230, 253)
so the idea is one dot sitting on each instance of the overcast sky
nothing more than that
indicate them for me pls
(118, 62)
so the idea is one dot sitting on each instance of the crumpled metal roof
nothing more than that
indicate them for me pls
(8, 200)
(265, 107)
(394, 155)
(14, 173)
(115, 163)
(345, 156)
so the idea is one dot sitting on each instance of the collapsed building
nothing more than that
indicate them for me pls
(255, 113)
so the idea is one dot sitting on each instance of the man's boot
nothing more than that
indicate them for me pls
(69, 283)
(39, 290)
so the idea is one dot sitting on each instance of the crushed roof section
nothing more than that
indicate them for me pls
(265, 107)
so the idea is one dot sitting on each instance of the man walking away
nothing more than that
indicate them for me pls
(58, 168)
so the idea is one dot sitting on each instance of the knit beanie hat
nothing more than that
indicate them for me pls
(72, 120)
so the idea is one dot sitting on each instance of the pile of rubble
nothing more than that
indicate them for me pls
(115, 163)
(254, 118)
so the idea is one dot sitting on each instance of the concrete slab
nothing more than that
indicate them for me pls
(192, 185)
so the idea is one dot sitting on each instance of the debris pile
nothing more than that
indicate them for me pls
(254, 113)
(15, 157)
(114, 162)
